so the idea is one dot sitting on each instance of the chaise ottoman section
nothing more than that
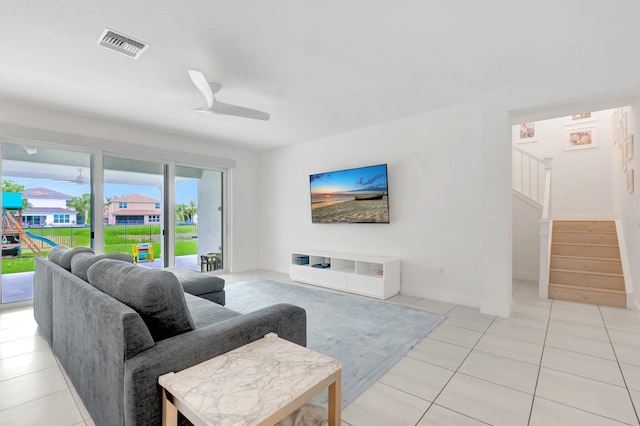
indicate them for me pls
(200, 284)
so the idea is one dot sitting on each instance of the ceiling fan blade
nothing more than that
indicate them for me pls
(202, 85)
(228, 109)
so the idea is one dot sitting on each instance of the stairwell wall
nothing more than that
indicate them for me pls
(581, 184)
(526, 240)
(627, 204)
(581, 178)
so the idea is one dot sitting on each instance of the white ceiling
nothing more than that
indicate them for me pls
(319, 67)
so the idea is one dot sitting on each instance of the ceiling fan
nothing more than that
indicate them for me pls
(80, 180)
(213, 106)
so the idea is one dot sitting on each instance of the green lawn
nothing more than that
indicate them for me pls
(19, 264)
(117, 239)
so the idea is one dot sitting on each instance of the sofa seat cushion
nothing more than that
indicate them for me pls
(205, 313)
(156, 295)
(81, 262)
(196, 283)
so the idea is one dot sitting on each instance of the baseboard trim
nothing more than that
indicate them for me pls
(498, 310)
(445, 296)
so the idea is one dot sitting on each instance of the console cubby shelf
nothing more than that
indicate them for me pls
(374, 276)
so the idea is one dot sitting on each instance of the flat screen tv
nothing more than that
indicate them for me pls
(350, 196)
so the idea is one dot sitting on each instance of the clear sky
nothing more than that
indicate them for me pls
(185, 191)
(373, 178)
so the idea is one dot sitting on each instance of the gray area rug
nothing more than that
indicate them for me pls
(366, 335)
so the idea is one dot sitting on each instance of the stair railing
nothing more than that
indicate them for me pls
(545, 233)
(528, 175)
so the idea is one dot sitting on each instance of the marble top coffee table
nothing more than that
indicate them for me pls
(256, 384)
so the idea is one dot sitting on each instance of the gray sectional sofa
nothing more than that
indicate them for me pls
(116, 327)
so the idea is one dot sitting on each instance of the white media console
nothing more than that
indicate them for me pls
(373, 276)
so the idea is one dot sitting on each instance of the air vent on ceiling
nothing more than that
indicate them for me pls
(121, 43)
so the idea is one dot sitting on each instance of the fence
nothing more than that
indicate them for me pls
(70, 236)
(77, 236)
(114, 235)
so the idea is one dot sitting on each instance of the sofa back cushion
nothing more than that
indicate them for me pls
(81, 262)
(55, 253)
(156, 295)
(62, 255)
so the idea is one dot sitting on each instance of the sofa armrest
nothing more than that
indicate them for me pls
(143, 394)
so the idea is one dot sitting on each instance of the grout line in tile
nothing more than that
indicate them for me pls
(515, 338)
(505, 357)
(483, 333)
(30, 371)
(34, 399)
(582, 353)
(624, 380)
(457, 370)
(581, 409)
(457, 412)
(586, 378)
(544, 345)
(454, 371)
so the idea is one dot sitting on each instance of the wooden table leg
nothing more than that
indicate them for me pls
(169, 411)
(335, 401)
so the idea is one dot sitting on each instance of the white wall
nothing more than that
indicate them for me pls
(47, 203)
(30, 123)
(581, 178)
(435, 192)
(526, 239)
(627, 205)
(449, 182)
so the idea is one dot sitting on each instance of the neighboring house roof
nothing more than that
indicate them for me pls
(133, 198)
(130, 212)
(41, 192)
(43, 210)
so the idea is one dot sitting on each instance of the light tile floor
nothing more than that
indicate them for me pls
(549, 363)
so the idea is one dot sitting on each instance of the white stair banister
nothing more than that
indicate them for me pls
(531, 178)
(529, 174)
(546, 200)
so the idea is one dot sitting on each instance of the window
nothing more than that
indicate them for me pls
(157, 205)
(154, 218)
(129, 220)
(60, 218)
(122, 205)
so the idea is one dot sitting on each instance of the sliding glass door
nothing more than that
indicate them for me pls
(158, 212)
(132, 210)
(198, 219)
(46, 201)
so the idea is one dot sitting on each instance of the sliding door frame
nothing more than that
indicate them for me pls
(225, 176)
(92, 146)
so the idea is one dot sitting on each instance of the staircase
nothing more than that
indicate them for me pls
(585, 263)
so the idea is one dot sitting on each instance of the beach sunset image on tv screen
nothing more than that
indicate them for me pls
(353, 196)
